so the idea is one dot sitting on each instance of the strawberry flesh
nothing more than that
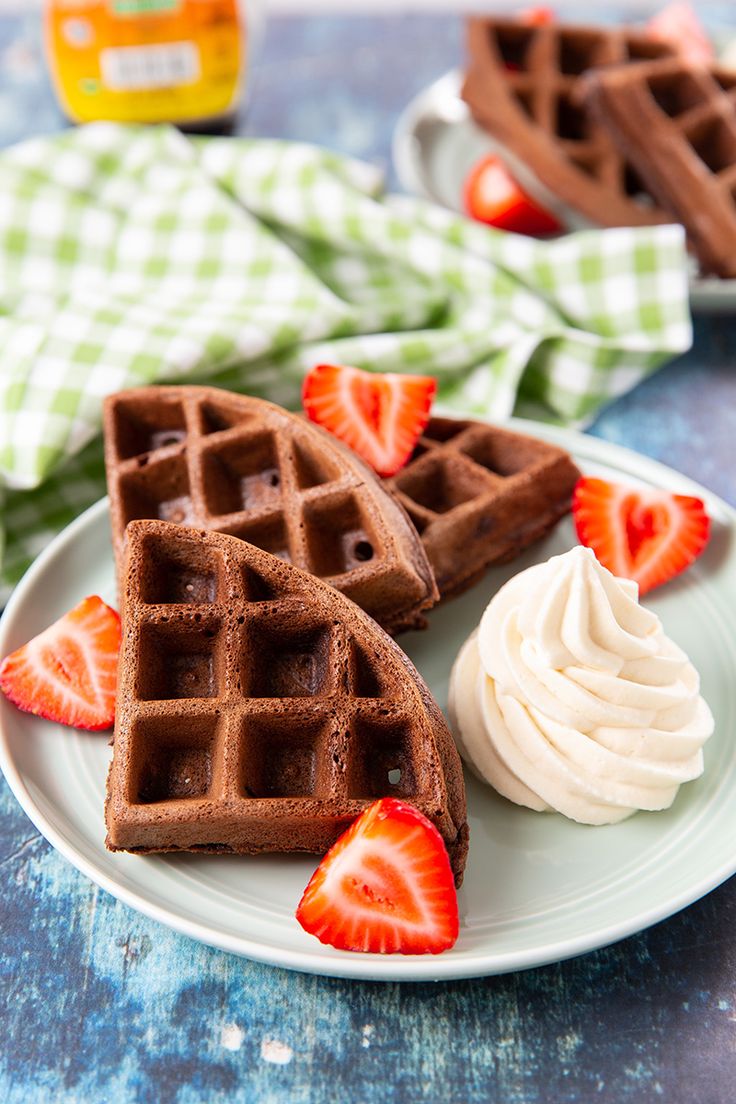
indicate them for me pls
(386, 886)
(492, 195)
(68, 673)
(679, 26)
(642, 534)
(379, 415)
(537, 17)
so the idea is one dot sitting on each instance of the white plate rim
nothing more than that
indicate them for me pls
(365, 966)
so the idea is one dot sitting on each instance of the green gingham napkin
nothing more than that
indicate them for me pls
(130, 256)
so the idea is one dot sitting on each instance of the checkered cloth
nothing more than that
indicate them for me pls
(131, 256)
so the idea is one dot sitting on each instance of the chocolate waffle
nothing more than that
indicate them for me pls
(259, 710)
(479, 495)
(523, 86)
(677, 123)
(234, 464)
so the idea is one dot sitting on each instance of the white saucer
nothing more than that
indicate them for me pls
(436, 143)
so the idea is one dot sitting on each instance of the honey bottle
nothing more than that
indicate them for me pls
(149, 61)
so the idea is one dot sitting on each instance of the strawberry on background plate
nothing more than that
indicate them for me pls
(69, 672)
(640, 533)
(538, 16)
(379, 415)
(491, 195)
(386, 886)
(679, 26)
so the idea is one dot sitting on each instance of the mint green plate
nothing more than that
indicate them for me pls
(537, 888)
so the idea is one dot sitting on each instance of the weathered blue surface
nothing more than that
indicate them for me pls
(102, 1005)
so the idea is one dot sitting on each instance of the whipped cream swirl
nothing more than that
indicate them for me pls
(570, 697)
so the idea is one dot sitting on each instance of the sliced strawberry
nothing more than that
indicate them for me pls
(380, 416)
(537, 17)
(679, 26)
(646, 535)
(386, 886)
(69, 672)
(491, 195)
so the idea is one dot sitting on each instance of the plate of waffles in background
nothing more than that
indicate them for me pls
(561, 105)
(260, 710)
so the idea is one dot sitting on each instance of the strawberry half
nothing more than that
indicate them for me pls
(537, 17)
(646, 535)
(491, 195)
(679, 26)
(379, 415)
(386, 886)
(69, 672)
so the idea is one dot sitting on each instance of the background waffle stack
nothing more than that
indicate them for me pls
(258, 710)
(234, 464)
(523, 86)
(480, 495)
(677, 124)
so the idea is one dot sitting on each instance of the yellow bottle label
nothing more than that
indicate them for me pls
(145, 61)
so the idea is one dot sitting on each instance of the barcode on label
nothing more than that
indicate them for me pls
(162, 66)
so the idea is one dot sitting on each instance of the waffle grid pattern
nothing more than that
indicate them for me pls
(692, 111)
(550, 62)
(246, 698)
(239, 466)
(535, 73)
(451, 469)
(475, 490)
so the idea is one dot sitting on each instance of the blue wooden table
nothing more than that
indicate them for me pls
(103, 1005)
